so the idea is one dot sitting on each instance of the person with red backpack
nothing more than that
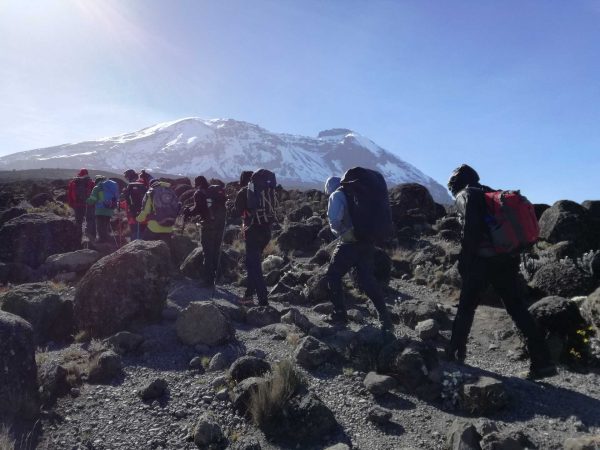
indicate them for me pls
(496, 226)
(104, 197)
(255, 203)
(78, 191)
(209, 204)
(132, 199)
(161, 208)
(359, 215)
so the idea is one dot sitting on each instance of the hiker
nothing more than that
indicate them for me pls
(356, 246)
(132, 199)
(480, 264)
(161, 208)
(104, 197)
(79, 189)
(209, 204)
(145, 178)
(255, 203)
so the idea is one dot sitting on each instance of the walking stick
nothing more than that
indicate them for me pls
(219, 258)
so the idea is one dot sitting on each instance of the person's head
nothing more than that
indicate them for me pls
(130, 175)
(332, 184)
(245, 177)
(99, 179)
(200, 182)
(462, 177)
(145, 175)
(83, 173)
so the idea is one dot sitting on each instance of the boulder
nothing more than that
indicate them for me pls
(414, 311)
(43, 307)
(297, 236)
(590, 310)
(463, 436)
(193, 264)
(52, 378)
(31, 238)
(242, 392)
(539, 209)
(104, 367)
(311, 353)
(233, 312)
(565, 220)
(78, 261)
(507, 440)
(41, 199)
(16, 273)
(156, 389)
(562, 279)
(203, 323)
(260, 316)
(409, 199)
(427, 329)
(11, 213)
(379, 415)
(316, 289)
(582, 443)
(180, 246)
(219, 361)
(19, 396)
(557, 315)
(126, 286)
(248, 366)
(295, 317)
(484, 396)
(379, 384)
(302, 213)
(272, 262)
(125, 342)
(326, 235)
(208, 434)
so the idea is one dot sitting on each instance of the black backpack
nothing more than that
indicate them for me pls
(166, 205)
(261, 197)
(368, 204)
(81, 189)
(135, 197)
(215, 196)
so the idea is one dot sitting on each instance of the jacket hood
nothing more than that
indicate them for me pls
(83, 173)
(332, 184)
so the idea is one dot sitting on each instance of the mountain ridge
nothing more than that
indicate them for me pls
(222, 148)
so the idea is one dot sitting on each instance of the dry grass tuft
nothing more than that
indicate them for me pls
(269, 399)
(82, 336)
(293, 339)
(58, 208)
(272, 248)
(6, 440)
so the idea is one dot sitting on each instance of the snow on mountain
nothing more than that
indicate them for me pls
(222, 148)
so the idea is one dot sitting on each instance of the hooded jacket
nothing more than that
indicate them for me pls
(472, 209)
(82, 177)
(97, 198)
(337, 210)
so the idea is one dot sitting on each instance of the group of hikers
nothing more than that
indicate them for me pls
(496, 227)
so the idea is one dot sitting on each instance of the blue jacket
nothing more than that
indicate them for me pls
(337, 210)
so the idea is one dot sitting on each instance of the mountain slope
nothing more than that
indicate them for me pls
(222, 148)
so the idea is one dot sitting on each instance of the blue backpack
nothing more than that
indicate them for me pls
(111, 194)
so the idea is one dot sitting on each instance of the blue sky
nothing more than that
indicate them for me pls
(510, 87)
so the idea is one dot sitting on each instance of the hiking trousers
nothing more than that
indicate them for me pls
(257, 237)
(103, 228)
(136, 231)
(149, 235)
(82, 212)
(211, 235)
(502, 272)
(358, 255)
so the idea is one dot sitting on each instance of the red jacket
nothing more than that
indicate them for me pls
(72, 193)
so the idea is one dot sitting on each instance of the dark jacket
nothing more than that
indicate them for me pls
(204, 208)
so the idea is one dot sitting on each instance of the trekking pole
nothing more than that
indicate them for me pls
(84, 237)
(219, 258)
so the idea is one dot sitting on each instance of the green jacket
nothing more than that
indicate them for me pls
(97, 198)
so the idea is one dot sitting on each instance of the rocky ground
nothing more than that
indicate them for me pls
(113, 416)
(107, 348)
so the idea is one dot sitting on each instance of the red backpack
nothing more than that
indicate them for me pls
(511, 220)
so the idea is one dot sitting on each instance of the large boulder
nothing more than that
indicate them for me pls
(557, 315)
(11, 213)
(247, 367)
(78, 261)
(18, 377)
(563, 279)
(411, 199)
(42, 306)
(31, 238)
(316, 289)
(16, 273)
(203, 323)
(298, 236)
(193, 264)
(128, 285)
(564, 221)
(590, 310)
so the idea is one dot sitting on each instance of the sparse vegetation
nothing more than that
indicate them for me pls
(58, 208)
(272, 249)
(269, 399)
(293, 339)
(6, 440)
(82, 336)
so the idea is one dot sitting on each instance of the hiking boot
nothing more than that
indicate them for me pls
(537, 373)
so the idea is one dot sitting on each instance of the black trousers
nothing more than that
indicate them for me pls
(211, 235)
(502, 273)
(136, 230)
(257, 237)
(360, 256)
(152, 236)
(103, 228)
(82, 212)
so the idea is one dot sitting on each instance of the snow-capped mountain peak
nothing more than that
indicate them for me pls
(222, 148)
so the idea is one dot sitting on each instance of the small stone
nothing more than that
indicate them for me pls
(219, 381)
(427, 329)
(154, 390)
(208, 434)
(196, 364)
(218, 362)
(463, 436)
(379, 415)
(379, 384)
